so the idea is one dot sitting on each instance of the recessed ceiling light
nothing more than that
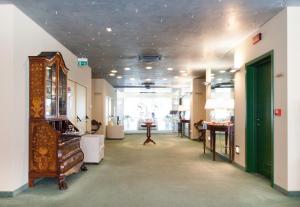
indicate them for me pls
(212, 74)
(182, 71)
(222, 71)
(148, 67)
(170, 69)
(112, 74)
(132, 79)
(113, 71)
(148, 79)
(233, 70)
(165, 79)
(127, 68)
(220, 79)
(119, 77)
(176, 77)
(108, 29)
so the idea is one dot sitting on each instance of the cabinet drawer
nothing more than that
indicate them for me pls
(69, 147)
(73, 160)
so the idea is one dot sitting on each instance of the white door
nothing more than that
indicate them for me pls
(81, 107)
(71, 107)
(98, 109)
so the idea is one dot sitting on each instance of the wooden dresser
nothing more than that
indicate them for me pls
(54, 142)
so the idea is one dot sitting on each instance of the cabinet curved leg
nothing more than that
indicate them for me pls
(83, 168)
(31, 182)
(62, 185)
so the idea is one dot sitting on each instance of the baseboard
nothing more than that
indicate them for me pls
(239, 166)
(287, 193)
(7, 194)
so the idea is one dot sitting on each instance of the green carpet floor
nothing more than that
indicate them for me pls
(172, 173)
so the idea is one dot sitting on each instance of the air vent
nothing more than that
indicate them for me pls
(149, 58)
(148, 84)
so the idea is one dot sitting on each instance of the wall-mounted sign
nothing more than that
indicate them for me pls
(82, 62)
(256, 38)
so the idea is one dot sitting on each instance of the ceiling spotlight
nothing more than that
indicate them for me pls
(170, 69)
(222, 71)
(113, 71)
(165, 79)
(112, 74)
(119, 77)
(182, 71)
(148, 80)
(132, 79)
(176, 77)
(127, 68)
(108, 29)
(220, 79)
(148, 67)
(233, 70)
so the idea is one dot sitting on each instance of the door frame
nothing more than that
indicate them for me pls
(250, 140)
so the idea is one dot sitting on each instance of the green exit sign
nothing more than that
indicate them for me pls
(82, 62)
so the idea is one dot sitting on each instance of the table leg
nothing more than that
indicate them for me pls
(204, 144)
(211, 140)
(226, 142)
(214, 145)
(232, 143)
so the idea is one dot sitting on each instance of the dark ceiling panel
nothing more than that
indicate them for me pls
(189, 34)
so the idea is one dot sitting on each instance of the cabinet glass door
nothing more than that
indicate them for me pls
(62, 90)
(51, 91)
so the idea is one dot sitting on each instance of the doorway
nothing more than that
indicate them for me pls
(259, 127)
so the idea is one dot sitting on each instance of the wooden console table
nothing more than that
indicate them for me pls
(228, 128)
(148, 125)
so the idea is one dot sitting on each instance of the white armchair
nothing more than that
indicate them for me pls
(115, 132)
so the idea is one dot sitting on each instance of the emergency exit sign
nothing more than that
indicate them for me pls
(82, 62)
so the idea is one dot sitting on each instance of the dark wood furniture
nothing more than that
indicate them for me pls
(202, 131)
(54, 143)
(148, 126)
(228, 128)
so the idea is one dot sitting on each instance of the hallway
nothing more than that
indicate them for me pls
(172, 173)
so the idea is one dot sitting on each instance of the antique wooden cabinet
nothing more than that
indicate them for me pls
(54, 142)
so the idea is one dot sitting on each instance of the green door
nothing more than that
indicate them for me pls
(259, 128)
(263, 118)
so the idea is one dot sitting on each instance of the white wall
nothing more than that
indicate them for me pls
(281, 35)
(104, 89)
(20, 37)
(293, 103)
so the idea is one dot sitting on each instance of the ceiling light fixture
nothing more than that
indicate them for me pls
(148, 80)
(132, 79)
(112, 74)
(170, 69)
(127, 68)
(182, 71)
(119, 77)
(222, 71)
(176, 77)
(165, 79)
(233, 70)
(108, 29)
(113, 71)
(148, 67)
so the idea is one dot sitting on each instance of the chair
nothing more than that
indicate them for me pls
(202, 132)
(95, 126)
